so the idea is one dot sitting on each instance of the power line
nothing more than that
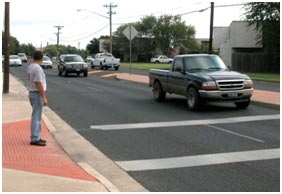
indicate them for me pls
(231, 5)
(202, 10)
(87, 35)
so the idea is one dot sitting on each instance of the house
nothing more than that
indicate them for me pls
(203, 42)
(234, 40)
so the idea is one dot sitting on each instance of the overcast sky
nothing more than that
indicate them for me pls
(33, 21)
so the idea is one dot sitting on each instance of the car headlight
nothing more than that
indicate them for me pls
(68, 65)
(85, 66)
(248, 84)
(209, 85)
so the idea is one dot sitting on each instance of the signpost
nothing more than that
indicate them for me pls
(130, 32)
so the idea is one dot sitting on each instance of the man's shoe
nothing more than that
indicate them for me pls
(42, 140)
(38, 143)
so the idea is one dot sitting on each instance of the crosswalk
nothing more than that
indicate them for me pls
(197, 160)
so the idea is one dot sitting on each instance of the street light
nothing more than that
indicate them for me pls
(110, 18)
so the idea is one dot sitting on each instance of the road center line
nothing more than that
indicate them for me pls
(185, 123)
(199, 160)
(234, 133)
(95, 89)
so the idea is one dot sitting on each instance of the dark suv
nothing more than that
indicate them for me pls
(72, 64)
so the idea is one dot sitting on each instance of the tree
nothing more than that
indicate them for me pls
(16, 47)
(265, 16)
(169, 32)
(93, 46)
(28, 49)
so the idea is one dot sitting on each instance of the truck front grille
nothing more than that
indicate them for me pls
(76, 66)
(230, 84)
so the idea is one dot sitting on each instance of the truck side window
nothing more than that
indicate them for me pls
(178, 65)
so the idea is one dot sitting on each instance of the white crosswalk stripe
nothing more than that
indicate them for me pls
(199, 160)
(185, 123)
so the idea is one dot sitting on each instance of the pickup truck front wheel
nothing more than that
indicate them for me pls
(193, 99)
(158, 92)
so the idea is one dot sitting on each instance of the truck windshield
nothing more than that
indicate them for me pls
(193, 63)
(73, 59)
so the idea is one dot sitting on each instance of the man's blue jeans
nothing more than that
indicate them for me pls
(37, 107)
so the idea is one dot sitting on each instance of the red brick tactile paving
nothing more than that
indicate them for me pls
(51, 159)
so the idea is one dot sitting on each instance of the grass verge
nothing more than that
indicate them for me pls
(266, 77)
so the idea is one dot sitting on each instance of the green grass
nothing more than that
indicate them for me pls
(146, 66)
(267, 77)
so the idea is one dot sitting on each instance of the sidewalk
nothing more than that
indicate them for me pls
(69, 163)
(267, 98)
(32, 168)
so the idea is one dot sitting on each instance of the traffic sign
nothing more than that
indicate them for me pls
(130, 32)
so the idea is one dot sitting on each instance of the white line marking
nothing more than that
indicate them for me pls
(238, 134)
(199, 160)
(95, 89)
(185, 123)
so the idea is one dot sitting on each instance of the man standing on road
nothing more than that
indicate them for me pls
(36, 84)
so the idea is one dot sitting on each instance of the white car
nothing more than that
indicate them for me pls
(89, 59)
(105, 61)
(47, 63)
(15, 60)
(161, 59)
(23, 57)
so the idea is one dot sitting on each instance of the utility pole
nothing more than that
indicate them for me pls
(110, 6)
(58, 38)
(7, 49)
(211, 28)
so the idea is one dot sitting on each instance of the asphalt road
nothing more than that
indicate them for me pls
(218, 148)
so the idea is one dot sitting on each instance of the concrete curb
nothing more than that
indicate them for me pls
(268, 105)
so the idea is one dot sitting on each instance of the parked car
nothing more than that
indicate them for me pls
(72, 64)
(15, 60)
(23, 57)
(201, 78)
(105, 61)
(47, 63)
(161, 59)
(89, 59)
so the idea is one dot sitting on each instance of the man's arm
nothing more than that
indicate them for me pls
(42, 93)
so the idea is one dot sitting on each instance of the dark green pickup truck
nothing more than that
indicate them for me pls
(201, 78)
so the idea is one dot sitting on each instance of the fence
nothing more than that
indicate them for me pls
(254, 62)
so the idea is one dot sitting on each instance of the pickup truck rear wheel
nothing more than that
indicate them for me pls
(242, 105)
(158, 92)
(193, 99)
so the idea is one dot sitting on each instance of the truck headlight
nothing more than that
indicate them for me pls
(209, 85)
(248, 84)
